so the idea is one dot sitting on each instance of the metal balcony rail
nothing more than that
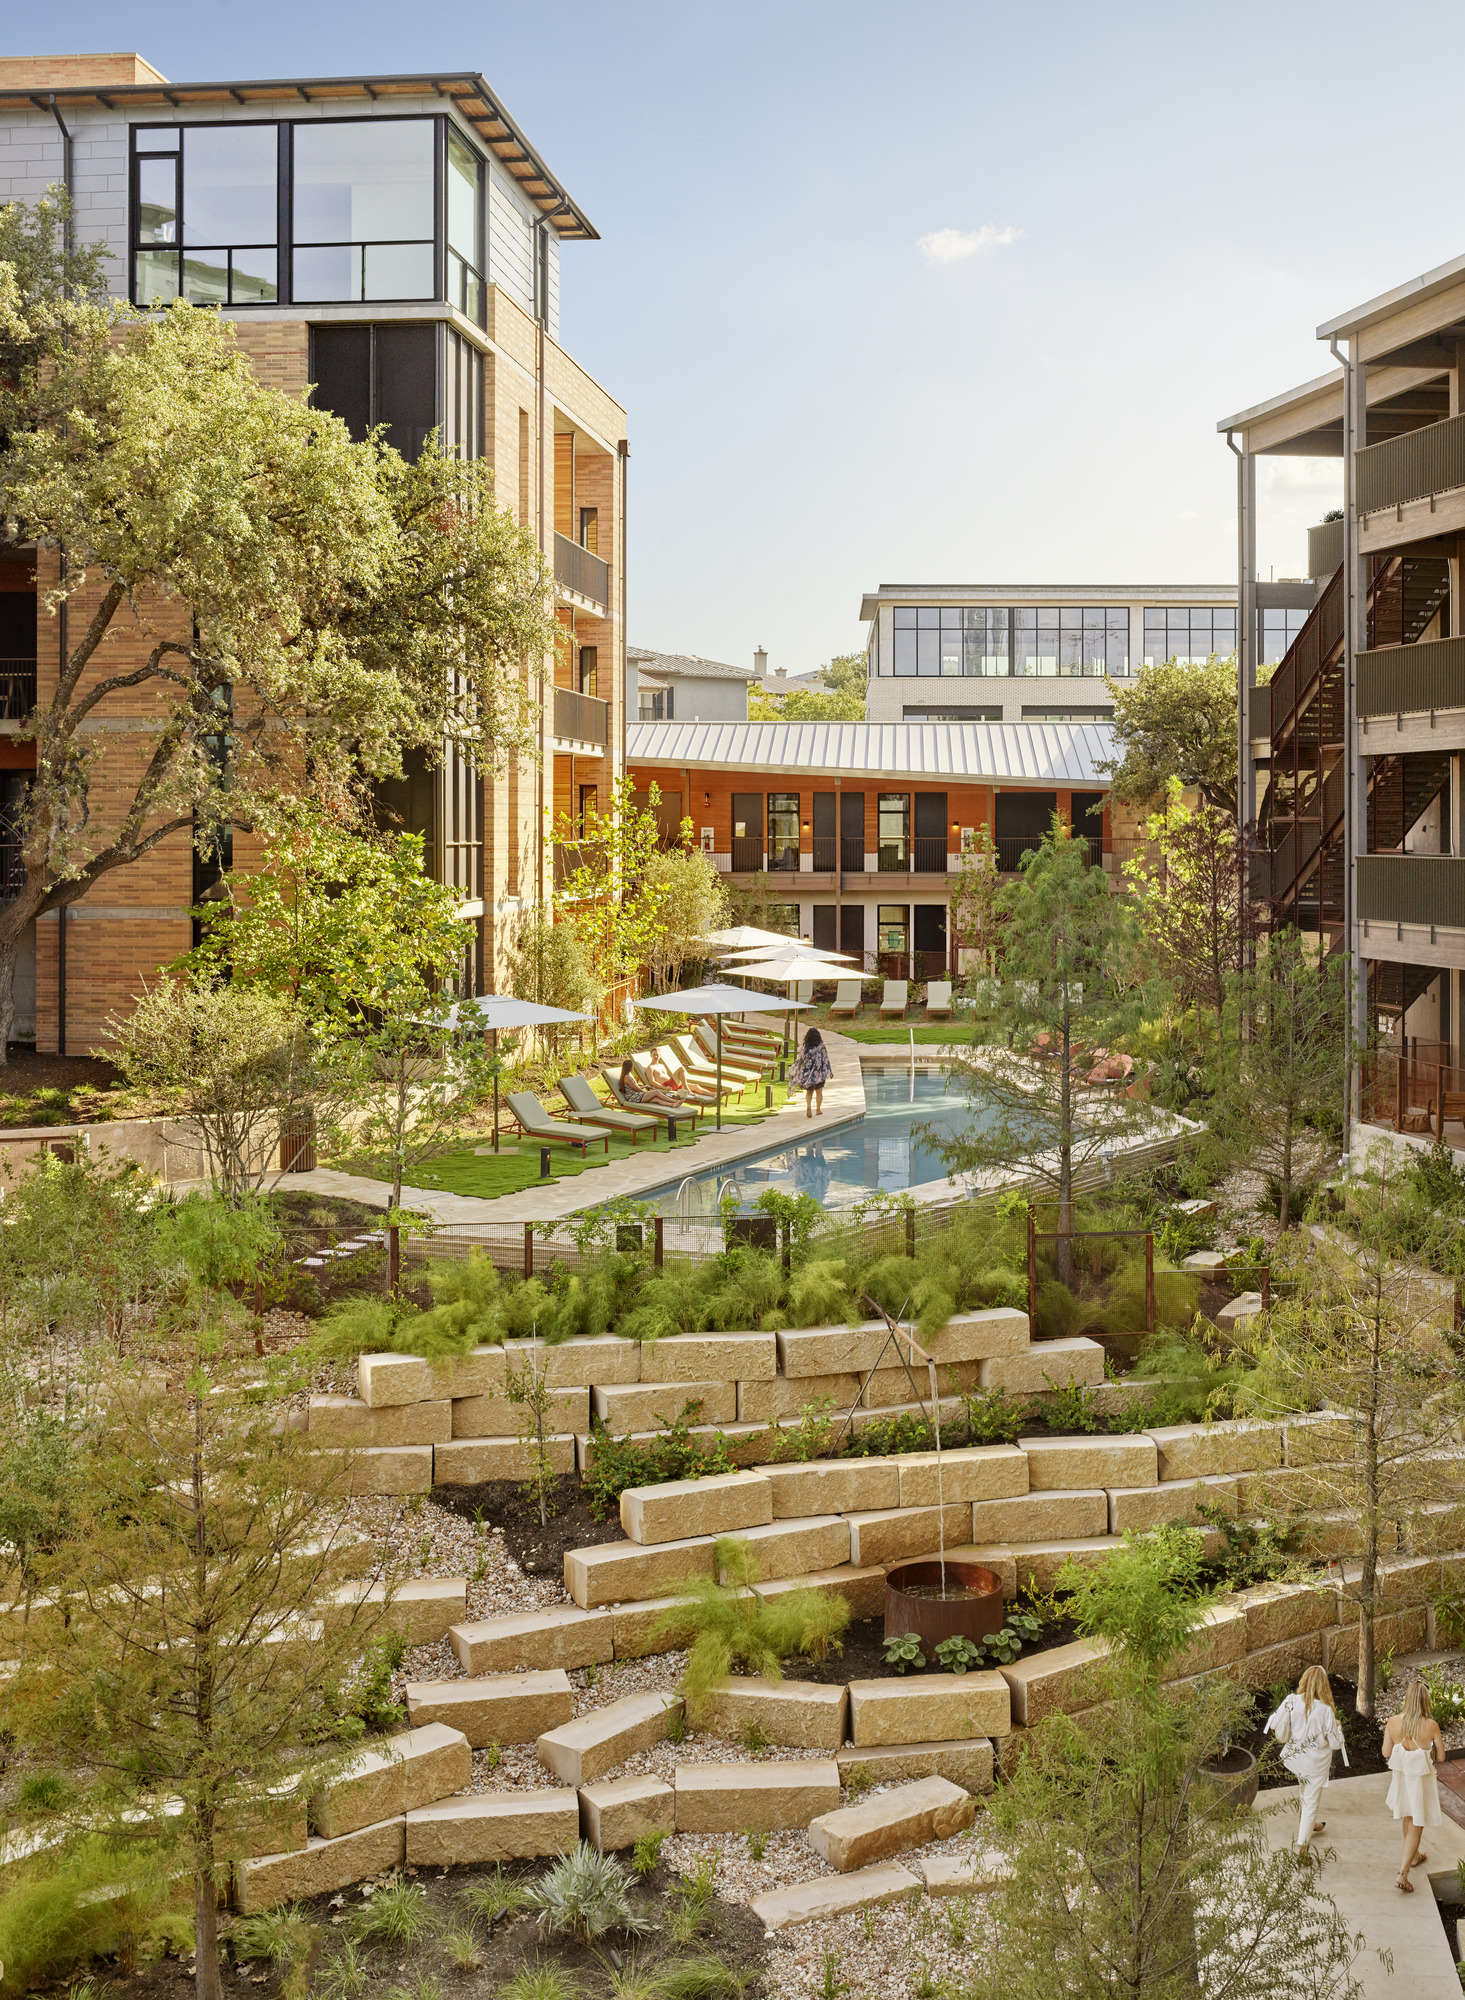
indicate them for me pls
(1011, 847)
(584, 718)
(784, 860)
(1418, 889)
(17, 689)
(1415, 466)
(826, 848)
(12, 869)
(747, 855)
(852, 853)
(578, 570)
(1412, 1094)
(1259, 713)
(1412, 680)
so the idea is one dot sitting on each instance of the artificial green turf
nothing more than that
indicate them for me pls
(516, 1164)
(900, 1032)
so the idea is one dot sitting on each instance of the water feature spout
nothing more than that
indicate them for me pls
(940, 1487)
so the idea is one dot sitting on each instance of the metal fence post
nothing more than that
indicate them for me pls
(394, 1258)
(1149, 1281)
(1032, 1266)
(1266, 1288)
(660, 1250)
(528, 1249)
(910, 1232)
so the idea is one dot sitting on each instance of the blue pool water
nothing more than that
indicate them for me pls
(849, 1163)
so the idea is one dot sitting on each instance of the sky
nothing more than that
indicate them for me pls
(938, 293)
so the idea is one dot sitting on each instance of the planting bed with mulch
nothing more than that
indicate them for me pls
(539, 1550)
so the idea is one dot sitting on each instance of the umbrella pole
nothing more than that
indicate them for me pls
(495, 1034)
(719, 1083)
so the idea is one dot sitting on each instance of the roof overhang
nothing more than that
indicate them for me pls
(1307, 422)
(1045, 594)
(1046, 756)
(465, 90)
(1443, 282)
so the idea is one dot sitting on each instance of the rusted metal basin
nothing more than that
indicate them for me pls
(974, 1613)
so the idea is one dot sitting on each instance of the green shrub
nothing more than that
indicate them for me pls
(676, 1454)
(587, 1893)
(903, 1652)
(647, 1851)
(732, 1627)
(97, 1901)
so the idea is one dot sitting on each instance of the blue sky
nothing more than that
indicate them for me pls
(1140, 213)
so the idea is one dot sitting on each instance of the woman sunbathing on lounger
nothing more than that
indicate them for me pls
(633, 1092)
(665, 1077)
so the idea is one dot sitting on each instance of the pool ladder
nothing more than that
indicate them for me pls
(684, 1199)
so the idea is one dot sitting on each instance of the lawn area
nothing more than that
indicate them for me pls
(899, 1032)
(476, 1171)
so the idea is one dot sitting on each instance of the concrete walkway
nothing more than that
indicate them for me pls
(1364, 1838)
(635, 1176)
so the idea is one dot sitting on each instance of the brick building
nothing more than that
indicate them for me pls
(394, 241)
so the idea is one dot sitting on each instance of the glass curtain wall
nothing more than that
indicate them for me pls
(363, 210)
(783, 830)
(206, 214)
(994, 640)
(1188, 634)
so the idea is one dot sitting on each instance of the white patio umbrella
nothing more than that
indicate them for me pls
(705, 1000)
(791, 947)
(744, 937)
(788, 968)
(492, 1011)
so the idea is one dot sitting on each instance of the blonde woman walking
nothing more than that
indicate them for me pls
(1308, 1731)
(1413, 1745)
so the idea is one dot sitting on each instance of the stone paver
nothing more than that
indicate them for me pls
(616, 1813)
(562, 1636)
(493, 1826)
(579, 1752)
(722, 1504)
(754, 1798)
(959, 1874)
(834, 1896)
(504, 1708)
(910, 1815)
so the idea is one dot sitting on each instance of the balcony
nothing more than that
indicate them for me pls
(581, 718)
(580, 576)
(1412, 680)
(17, 689)
(1011, 847)
(1416, 466)
(1422, 890)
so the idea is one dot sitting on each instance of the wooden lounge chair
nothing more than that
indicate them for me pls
(847, 999)
(700, 1064)
(684, 1109)
(938, 1000)
(745, 1031)
(587, 1107)
(741, 1058)
(695, 1088)
(536, 1123)
(895, 998)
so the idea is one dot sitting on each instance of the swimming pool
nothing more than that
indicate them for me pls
(881, 1150)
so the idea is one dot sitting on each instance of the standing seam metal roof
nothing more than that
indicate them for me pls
(1047, 754)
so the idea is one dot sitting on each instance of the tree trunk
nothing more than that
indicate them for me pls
(8, 954)
(1368, 1584)
(1285, 1204)
(1065, 1156)
(207, 1982)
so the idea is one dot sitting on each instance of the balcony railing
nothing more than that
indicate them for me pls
(852, 853)
(583, 718)
(1412, 1094)
(826, 847)
(1417, 889)
(1011, 847)
(747, 855)
(1259, 713)
(578, 570)
(1415, 466)
(1412, 680)
(17, 689)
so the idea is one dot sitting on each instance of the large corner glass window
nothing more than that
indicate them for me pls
(205, 214)
(465, 227)
(363, 209)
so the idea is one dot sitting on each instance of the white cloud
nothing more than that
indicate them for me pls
(949, 246)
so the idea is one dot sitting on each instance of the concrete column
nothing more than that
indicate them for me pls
(1355, 795)
(1245, 629)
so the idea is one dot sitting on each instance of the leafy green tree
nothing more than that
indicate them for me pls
(1176, 722)
(1190, 901)
(609, 894)
(293, 611)
(840, 698)
(693, 904)
(975, 922)
(78, 1251)
(1068, 985)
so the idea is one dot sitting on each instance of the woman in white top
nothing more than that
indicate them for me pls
(1413, 1745)
(1309, 1732)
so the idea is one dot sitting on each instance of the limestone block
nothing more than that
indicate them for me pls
(1288, 1490)
(1059, 1681)
(847, 1486)
(1278, 1612)
(1332, 1537)
(392, 1469)
(470, 1461)
(995, 1556)
(834, 1896)
(386, 1379)
(895, 1534)
(493, 1826)
(830, 1350)
(967, 1762)
(803, 1715)
(346, 1420)
(277, 1823)
(1047, 1364)
(911, 1815)
(749, 1444)
(950, 1412)
(641, 1406)
(1239, 1312)
(1440, 1525)
(1038, 1563)
(1286, 1661)
(502, 1708)
(1197, 1451)
(754, 1798)
(494, 1416)
(927, 1707)
(1198, 1209)
(766, 1402)
(1036, 1517)
(1220, 1641)
(1117, 1399)
(627, 1572)
(562, 1636)
(710, 1357)
(480, 1373)
(318, 1868)
(863, 1590)
(1068, 1464)
(410, 1769)
(1204, 1261)
(721, 1504)
(1179, 1500)
(982, 1472)
(421, 1609)
(579, 1752)
(1394, 1632)
(792, 1548)
(980, 1336)
(616, 1813)
(961, 1874)
(889, 1388)
(601, 1359)
(1321, 1439)
(1401, 1579)
(634, 1627)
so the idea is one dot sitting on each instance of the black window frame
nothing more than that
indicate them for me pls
(179, 249)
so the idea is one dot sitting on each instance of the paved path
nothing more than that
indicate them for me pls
(636, 1175)
(1364, 1839)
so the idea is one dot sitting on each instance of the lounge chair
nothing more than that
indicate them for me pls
(744, 1031)
(741, 1057)
(536, 1123)
(938, 1000)
(577, 1093)
(697, 1062)
(847, 999)
(804, 990)
(685, 1107)
(695, 1089)
(895, 998)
